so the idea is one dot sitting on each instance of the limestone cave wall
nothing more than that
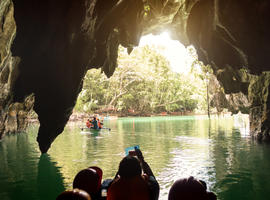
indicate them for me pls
(47, 46)
(13, 115)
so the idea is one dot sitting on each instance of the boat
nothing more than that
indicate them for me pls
(93, 129)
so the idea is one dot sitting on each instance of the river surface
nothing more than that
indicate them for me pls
(219, 151)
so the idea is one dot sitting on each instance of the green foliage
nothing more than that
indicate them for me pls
(146, 10)
(142, 83)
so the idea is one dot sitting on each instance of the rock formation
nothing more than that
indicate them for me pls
(44, 57)
(12, 114)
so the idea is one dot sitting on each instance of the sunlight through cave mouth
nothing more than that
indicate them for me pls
(161, 76)
(179, 56)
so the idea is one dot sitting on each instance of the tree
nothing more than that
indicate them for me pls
(144, 83)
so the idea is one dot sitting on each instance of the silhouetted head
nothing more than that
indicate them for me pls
(75, 194)
(190, 189)
(89, 180)
(129, 167)
(99, 173)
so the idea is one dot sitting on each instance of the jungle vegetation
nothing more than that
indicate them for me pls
(144, 84)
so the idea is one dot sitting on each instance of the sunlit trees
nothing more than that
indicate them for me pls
(143, 84)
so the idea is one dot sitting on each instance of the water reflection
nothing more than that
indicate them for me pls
(24, 174)
(218, 151)
(49, 179)
(192, 157)
(18, 168)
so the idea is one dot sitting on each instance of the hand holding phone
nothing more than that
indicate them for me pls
(139, 154)
(132, 150)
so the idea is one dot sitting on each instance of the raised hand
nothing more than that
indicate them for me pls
(139, 154)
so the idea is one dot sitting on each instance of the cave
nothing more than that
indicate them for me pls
(46, 47)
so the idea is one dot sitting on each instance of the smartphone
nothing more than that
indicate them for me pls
(131, 150)
(103, 193)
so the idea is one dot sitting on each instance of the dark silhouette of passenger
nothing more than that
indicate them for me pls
(89, 180)
(75, 194)
(190, 189)
(130, 183)
(95, 123)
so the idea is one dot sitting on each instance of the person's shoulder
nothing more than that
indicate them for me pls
(152, 182)
(115, 182)
(152, 179)
(149, 178)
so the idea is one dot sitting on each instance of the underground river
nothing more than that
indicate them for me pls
(219, 151)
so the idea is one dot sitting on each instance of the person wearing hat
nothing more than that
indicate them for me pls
(89, 180)
(190, 189)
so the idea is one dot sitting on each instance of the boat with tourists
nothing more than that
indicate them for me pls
(95, 125)
(93, 129)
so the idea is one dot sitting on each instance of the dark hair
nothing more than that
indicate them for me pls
(87, 180)
(129, 167)
(191, 189)
(75, 194)
(99, 173)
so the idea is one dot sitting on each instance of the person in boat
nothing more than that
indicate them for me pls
(95, 123)
(88, 123)
(190, 188)
(100, 124)
(130, 183)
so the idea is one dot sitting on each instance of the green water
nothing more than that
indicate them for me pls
(219, 152)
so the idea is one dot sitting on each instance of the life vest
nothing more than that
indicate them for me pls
(99, 124)
(88, 124)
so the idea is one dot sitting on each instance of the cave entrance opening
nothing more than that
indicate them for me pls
(179, 56)
(159, 77)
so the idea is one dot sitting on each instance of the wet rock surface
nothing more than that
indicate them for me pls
(58, 41)
(13, 115)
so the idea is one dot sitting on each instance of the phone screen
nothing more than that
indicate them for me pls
(103, 192)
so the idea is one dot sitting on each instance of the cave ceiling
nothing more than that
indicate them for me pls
(54, 43)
